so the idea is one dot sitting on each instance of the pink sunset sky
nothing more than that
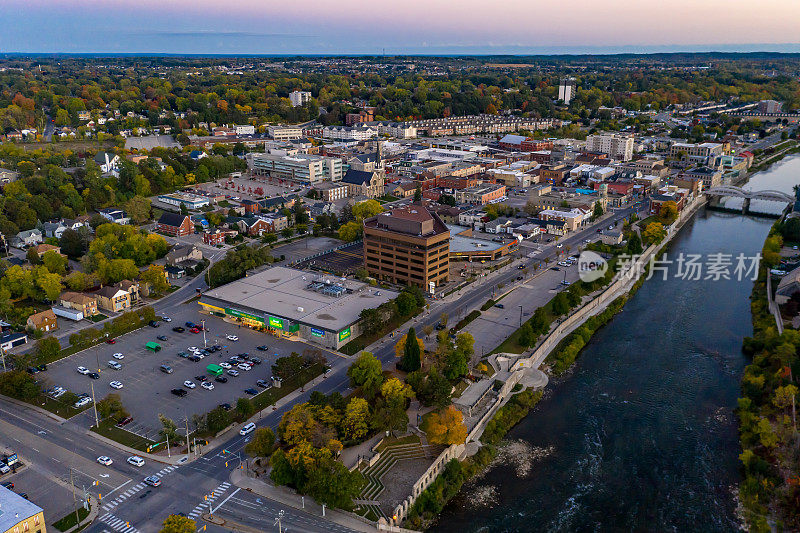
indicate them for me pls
(411, 26)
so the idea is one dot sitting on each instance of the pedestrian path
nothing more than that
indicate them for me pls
(108, 506)
(209, 500)
(117, 524)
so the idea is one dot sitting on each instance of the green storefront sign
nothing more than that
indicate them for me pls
(276, 323)
(242, 314)
(344, 334)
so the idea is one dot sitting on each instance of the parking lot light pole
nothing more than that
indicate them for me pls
(94, 406)
(203, 323)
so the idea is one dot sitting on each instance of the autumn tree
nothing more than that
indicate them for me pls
(156, 279)
(54, 262)
(138, 208)
(445, 427)
(654, 233)
(262, 443)
(354, 425)
(178, 524)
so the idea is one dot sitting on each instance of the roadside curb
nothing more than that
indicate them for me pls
(93, 512)
(175, 460)
(25, 405)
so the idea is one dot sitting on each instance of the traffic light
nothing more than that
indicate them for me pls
(226, 464)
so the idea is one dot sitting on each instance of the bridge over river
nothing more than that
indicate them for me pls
(717, 193)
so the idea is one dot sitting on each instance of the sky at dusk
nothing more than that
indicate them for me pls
(397, 27)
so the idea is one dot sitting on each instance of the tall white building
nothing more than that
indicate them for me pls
(566, 90)
(298, 98)
(616, 145)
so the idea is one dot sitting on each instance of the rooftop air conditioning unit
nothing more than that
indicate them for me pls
(300, 309)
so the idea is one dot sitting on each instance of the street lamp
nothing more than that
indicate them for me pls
(520, 316)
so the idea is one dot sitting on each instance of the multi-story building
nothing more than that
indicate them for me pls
(217, 237)
(298, 98)
(481, 194)
(285, 133)
(617, 145)
(711, 177)
(84, 303)
(408, 246)
(191, 201)
(566, 90)
(349, 133)
(113, 299)
(300, 168)
(18, 515)
(175, 224)
(700, 154)
(359, 183)
(245, 129)
(363, 115)
(332, 190)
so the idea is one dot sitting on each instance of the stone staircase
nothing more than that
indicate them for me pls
(368, 499)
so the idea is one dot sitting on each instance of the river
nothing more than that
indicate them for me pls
(641, 434)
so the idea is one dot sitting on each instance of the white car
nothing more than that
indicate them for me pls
(115, 385)
(189, 384)
(225, 365)
(193, 349)
(559, 245)
(118, 356)
(166, 319)
(135, 460)
(248, 428)
(105, 461)
(82, 402)
(207, 385)
(114, 365)
(233, 372)
(83, 370)
(58, 392)
(233, 338)
(243, 366)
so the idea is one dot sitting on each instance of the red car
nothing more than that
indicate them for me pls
(125, 421)
(194, 330)
(111, 341)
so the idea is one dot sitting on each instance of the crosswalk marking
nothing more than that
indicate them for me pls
(212, 497)
(117, 524)
(136, 488)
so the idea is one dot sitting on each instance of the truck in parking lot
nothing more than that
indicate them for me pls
(215, 370)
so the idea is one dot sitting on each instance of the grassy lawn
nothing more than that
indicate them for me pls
(99, 317)
(387, 198)
(69, 521)
(460, 387)
(392, 441)
(272, 395)
(59, 408)
(111, 431)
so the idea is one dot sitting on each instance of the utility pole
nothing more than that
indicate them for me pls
(168, 454)
(188, 444)
(520, 316)
(94, 406)
(203, 323)
(278, 521)
(74, 501)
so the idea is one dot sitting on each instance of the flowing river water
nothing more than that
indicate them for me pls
(640, 435)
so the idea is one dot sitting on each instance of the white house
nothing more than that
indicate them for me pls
(108, 163)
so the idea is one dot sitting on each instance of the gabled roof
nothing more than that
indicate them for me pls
(357, 177)
(172, 219)
(109, 292)
(38, 318)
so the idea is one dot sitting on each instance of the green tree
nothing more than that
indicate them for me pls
(412, 359)
(54, 262)
(244, 408)
(47, 349)
(111, 407)
(366, 372)
(156, 279)
(169, 429)
(366, 209)
(597, 212)
(634, 246)
(526, 336)
(418, 194)
(350, 231)
(138, 208)
(217, 419)
(560, 304)
(262, 443)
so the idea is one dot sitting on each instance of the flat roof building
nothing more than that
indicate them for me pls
(300, 168)
(323, 309)
(18, 515)
(408, 246)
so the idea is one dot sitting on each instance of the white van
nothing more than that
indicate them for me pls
(135, 460)
(249, 428)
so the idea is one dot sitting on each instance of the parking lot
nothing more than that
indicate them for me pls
(245, 187)
(146, 389)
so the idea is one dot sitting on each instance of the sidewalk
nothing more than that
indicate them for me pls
(289, 498)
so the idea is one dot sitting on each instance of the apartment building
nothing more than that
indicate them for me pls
(285, 133)
(566, 90)
(700, 154)
(408, 245)
(300, 168)
(481, 194)
(299, 98)
(617, 145)
(331, 190)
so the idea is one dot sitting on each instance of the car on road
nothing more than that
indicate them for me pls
(105, 461)
(555, 268)
(233, 372)
(153, 481)
(179, 392)
(162, 337)
(93, 375)
(263, 384)
(165, 369)
(263, 347)
(500, 306)
(251, 391)
(178, 329)
(520, 267)
(221, 379)
(166, 319)
(82, 402)
(233, 338)
(83, 370)
(247, 428)
(207, 385)
(559, 245)
(114, 365)
(118, 356)
(135, 460)
(111, 341)
(115, 385)
(189, 384)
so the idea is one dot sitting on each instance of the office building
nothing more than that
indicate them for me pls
(301, 168)
(566, 90)
(616, 145)
(408, 246)
(285, 133)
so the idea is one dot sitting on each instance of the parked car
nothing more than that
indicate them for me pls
(201, 378)
(194, 358)
(178, 329)
(189, 384)
(111, 341)
(115, 385)
(166, 319)
(189, 324)
(251, 391)
(179, 392)
(153, 324)
(243, 366)
(118, 356)
(233, 372)
(194, 330)
(225, 406)
(125, 421)
(83, 370)
(94, 375)
(221, 379)
(225, 365)
(183, 354)
(114, 365)
(82, 402)
(162, 337)
(233, 338)
(255, 360)
(263, 384)
(263, 348)
(207, 385)
(500, 306)
(166, 369)
(135, 460)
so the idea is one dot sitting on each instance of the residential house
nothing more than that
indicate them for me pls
(113, 299)
(26, 238)
(43, 321)
(12, 340)
(116, 216)
(131, 287)
(217, 237)
(183, 253)
(53, 229)
(175, 224)
(7, 176)
(78, 301)
(42, 249)
(108, 163)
